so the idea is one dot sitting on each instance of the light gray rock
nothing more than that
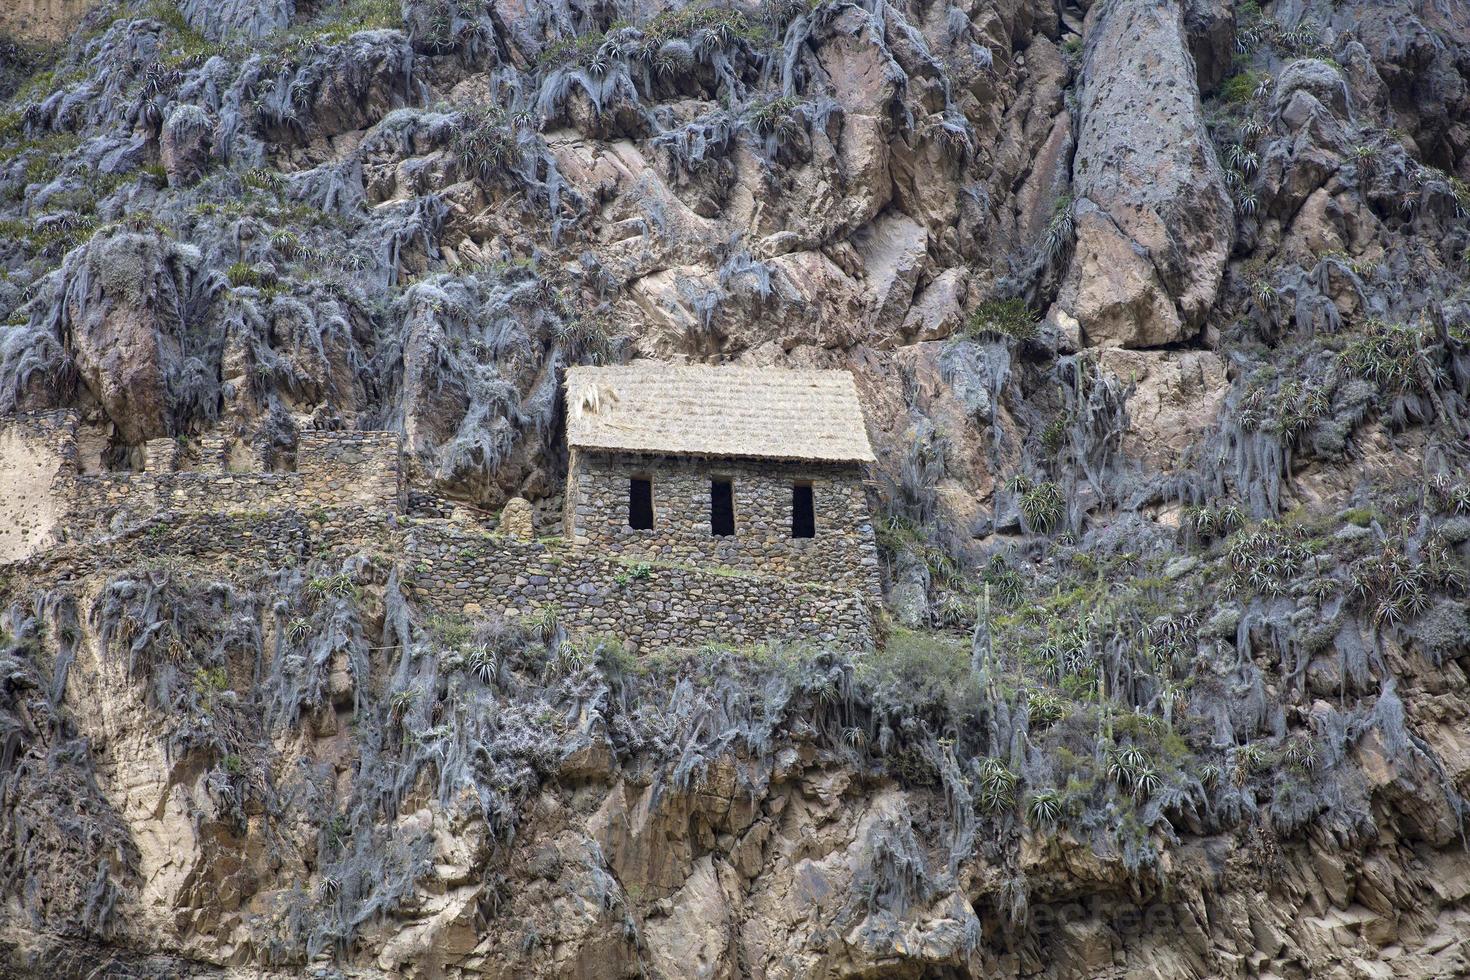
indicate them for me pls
(216, 19)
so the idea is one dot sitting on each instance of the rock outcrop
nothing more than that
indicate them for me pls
(1154, 222)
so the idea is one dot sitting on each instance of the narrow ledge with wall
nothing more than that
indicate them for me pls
(758, 528)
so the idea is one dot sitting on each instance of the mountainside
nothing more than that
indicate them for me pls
(1158, 311)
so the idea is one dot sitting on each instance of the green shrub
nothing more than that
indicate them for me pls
(340, 21)
(1045, 708)
(243, 274)
(484, 143)
(995, 786)
(765, 117)
(1007, 586)
(1043, 505)
(1044, 808)
(1054, 436)
(263, 179)
(1009, 317)
(1241, 88)
(1387, 355)
(211, 679)
(924, 669)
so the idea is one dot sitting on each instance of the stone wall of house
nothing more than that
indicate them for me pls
(648, 605)
(844, 551)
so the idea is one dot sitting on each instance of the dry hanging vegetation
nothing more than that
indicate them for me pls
(1188, 581)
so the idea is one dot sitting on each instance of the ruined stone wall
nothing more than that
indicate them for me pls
(458, 571)
(648, 605)
(335, 469)
(277, 539)
(339, 468)
(844, 552)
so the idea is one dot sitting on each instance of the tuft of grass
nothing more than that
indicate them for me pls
(1007, 317)
(1386, 354)
(263, 179)
(484, 143)
(243, 274)
(995, 785)
(1241, 88)
(1044, 808)
(337, 22)
(1060, 228)
(1043, 505)
(708, 25)
(766, 117)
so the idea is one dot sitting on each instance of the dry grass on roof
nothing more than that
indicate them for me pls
(689, 410)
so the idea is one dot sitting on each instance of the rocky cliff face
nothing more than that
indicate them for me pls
(1159, 314)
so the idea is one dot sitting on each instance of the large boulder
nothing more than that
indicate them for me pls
(123, 319)
(1312, 109)
(1154, 221)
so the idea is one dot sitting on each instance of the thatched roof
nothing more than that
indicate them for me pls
(684, 410)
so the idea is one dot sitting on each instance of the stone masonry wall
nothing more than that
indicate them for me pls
(843, 553)
(335, 469)
(458, 571)
(279, 539)
(340, 468)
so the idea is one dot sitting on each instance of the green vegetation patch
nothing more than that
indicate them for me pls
(1007, 317)
(1241, 88)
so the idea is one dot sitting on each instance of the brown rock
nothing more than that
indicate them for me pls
(938, 311)
(1154, 223)
(1176, 399)
(121, 328)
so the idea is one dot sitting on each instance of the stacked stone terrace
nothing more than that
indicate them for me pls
(675, 584)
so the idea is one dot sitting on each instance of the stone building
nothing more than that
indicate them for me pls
(704, 505)
(757, 470)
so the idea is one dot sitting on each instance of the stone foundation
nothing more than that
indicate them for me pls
(649, 605)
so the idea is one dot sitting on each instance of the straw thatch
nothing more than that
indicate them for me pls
(683, 410)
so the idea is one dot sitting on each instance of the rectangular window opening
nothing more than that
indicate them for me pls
(721, 508)
(640, 503)
(803, 512)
